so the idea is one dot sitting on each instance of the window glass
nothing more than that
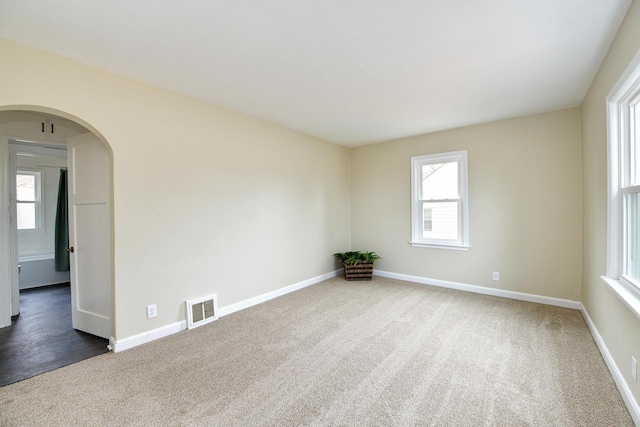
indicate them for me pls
(26, 188)
(444, 220)
(632, 231)
(427, 219)
(26, 213)
(440, 181)
(634, 154)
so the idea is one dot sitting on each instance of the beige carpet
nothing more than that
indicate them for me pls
(386, 352)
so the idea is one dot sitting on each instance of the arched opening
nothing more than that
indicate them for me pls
(34, 144)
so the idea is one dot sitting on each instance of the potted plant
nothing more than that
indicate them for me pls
(357, 265)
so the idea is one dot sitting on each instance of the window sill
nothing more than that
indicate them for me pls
(628, 294)
(436, 246)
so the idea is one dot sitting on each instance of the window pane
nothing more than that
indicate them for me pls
(444, 220)
(26, 188)
(439, 181)
(427, 221)
(634, 129)
(26, 216)
(632, 202)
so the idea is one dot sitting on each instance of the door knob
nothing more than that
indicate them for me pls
(70, 249)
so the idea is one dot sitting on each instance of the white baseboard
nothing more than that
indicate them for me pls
(42, 285)
(559, 302)
(618, 378)
(145, 337)
(623, 387)
(232, 308)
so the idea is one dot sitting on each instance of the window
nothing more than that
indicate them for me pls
(623, 232)
(439, 201)
(28, 200)
(428, 220)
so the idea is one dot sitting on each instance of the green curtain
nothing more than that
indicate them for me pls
(62, 225)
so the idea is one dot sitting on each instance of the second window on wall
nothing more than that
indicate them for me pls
(623, 216)
(28, 199)
(440, 200)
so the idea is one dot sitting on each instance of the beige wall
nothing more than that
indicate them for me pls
(205, 199)
(619, 328)
(524, 205)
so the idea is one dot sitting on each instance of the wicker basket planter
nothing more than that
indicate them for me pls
(357, 265)
(359, 271)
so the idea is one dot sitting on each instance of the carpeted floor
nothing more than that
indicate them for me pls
(386, 352)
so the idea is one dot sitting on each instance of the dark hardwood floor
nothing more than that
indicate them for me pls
(41, 338)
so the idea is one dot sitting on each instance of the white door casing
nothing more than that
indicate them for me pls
(90, 234)
(5, 248)
(13, 234)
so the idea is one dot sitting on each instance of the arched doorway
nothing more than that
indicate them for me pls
(29, 128)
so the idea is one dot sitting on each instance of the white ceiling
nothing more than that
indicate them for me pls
(349, 71)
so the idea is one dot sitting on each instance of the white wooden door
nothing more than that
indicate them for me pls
(89, 235)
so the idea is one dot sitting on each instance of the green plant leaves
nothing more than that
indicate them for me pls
(355, 257)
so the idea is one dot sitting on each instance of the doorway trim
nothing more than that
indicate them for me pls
(6, 261)
(5, 245)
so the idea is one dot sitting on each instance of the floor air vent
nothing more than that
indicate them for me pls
(202, 311)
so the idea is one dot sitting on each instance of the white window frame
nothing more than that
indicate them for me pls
(463, 201)
(38, 205)
(621, 102)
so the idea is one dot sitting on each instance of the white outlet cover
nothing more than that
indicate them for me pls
(152, 311)
(634, 369)
(496, 275)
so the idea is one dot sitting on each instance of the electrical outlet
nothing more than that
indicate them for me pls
(634, 369)
(496, 276)
(152, 311)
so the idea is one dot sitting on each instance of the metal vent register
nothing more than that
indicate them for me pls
(202, 311)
